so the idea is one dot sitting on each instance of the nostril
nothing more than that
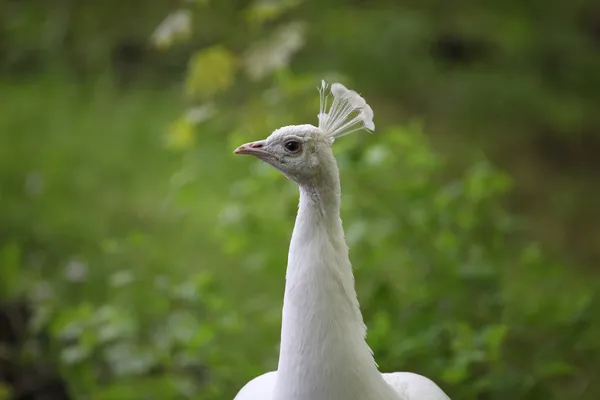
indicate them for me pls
(257, 145)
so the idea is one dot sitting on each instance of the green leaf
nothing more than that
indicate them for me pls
(211, 71)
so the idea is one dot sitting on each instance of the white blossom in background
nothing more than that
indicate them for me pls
(121, 278)
(76, 270)
(201, 113)
(376, 155)
(41, 291)
(274, 52)
(176, 25)
(231, 214)
(34, 183)
(127, 359)
(162, 282)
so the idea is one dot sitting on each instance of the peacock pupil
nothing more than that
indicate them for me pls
(292, 146)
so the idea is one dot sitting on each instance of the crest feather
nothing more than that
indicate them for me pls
(348, 113)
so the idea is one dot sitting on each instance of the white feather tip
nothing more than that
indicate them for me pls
(348, 113)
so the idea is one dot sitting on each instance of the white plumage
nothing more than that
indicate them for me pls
(323, 352)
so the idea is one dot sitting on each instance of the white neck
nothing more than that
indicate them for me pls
(323, 352)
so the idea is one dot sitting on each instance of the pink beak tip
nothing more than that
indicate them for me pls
(249, 148)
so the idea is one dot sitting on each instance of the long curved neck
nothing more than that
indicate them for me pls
(323, 353)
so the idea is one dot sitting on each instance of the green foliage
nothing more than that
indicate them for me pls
(211, 71)
(169, 290)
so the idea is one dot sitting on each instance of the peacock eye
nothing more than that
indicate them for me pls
(293, 146)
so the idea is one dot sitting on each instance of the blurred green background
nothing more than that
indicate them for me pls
(140, 259)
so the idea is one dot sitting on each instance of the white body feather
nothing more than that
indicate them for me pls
(323, 353)
(407, 386)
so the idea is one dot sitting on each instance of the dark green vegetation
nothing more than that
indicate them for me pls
(139, 259)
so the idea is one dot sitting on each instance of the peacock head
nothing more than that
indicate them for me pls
(301, 152)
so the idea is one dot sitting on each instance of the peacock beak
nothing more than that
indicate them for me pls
(252, 148)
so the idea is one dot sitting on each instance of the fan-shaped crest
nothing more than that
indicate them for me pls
(348, 113)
